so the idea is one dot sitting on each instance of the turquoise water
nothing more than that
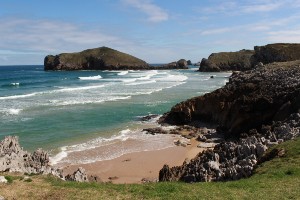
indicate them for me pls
(56, 109)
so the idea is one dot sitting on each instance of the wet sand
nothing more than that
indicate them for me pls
(133, 167)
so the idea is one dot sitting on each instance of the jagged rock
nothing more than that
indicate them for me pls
(201, 138)
(149, 117)
(227, 161)
(189, 62)
(14, 159)
(156, 130)
(79, 176)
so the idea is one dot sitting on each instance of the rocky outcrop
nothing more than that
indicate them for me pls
(14, 159)
(279, 52)
(247, 101)
(227, 61)
(189, 62)
(79, 176)
(232, 160)
(180, 64)
(102, 58)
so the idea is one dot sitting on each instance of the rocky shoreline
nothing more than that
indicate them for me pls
(256, 110)
(235, 124)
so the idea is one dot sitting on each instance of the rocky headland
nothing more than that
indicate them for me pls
(226, 61)
(103, 58)
(247, 59)
(255, 110)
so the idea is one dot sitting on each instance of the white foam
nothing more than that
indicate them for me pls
(142, 83)
(79, 88)
(90, 77)
(87, 101)
(15, 84)
(58, 157)
(128, 80)
(19, 96)
(122, 73)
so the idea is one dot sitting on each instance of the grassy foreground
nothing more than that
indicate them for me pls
(275, 179)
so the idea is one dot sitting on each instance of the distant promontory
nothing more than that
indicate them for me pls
(102, 58)
(244, 60)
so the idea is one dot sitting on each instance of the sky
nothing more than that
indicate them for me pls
(157, 31)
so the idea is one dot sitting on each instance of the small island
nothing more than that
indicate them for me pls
(103, 58)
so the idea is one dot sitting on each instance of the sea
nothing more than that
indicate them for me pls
(76, 111)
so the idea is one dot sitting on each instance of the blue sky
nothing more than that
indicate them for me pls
(157, 31)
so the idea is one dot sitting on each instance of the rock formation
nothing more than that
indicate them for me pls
(180, 64)
(250, 99)
(14, 159)
(248, 59)
(232, 160)
(225, 61)
(279, 52)
(102, 58)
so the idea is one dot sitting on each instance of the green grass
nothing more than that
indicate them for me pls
(275, 179)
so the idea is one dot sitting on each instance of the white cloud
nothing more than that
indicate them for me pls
(244, 7)
(49, 36)
(216, 31)
(153, 11)
(288, 36)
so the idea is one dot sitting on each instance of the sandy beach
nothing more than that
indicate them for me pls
(133, 167)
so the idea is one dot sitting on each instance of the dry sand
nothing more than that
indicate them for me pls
(133, 167)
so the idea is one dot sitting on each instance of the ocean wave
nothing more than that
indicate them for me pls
(70, 89)
(11, 111)
(90, 77)
(173, 78)
(15, 84)
(122, 73)
(87, 101)
(18, 96)
(142, 82)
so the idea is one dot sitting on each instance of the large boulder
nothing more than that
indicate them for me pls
(102, 58)
(250, 99)
(227, 61)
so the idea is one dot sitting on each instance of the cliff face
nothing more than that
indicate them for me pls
(250, 99)
(102, 58)
(280, 52)
(225, 61)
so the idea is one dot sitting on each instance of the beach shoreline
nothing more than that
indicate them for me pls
(137, 167)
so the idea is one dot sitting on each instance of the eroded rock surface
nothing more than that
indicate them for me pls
(233, 160)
